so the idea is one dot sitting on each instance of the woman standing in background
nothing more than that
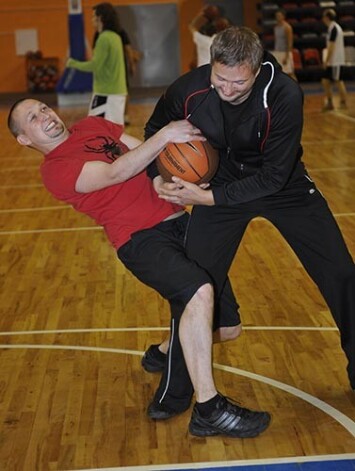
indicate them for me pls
(284, 43)
(107, 65)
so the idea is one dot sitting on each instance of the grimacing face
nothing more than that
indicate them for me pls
(39, 125)
(233, 84)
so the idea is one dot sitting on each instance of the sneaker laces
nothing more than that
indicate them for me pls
(232, 405)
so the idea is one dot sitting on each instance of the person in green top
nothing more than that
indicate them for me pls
(107, 65)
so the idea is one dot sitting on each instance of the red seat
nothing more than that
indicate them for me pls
(311, 57)
(297, 59)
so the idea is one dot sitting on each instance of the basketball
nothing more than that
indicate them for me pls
(211, 12)
(195, 161)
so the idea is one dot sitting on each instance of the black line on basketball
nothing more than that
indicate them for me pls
(186, 160)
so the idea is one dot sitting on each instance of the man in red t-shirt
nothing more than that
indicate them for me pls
(100, 171)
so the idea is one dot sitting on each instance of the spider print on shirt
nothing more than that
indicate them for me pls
(104, 145)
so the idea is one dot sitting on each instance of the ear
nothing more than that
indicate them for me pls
(23, 140)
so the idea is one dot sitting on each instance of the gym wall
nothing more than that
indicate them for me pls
(50, 20)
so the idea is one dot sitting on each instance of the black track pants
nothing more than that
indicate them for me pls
(303, 218)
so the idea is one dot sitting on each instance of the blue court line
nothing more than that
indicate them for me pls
(337, 465)
(317, 89)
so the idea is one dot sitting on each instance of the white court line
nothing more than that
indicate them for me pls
(338, 416)
(345, 116)
(96, 228)
(230, 464)
(331, 142)
(339, 215)
(332, 169)
(345, 421)
(158, 329)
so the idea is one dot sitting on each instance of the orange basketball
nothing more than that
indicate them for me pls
(194, 161)
(211, 12)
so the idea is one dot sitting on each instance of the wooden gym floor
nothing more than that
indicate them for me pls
(74, 324)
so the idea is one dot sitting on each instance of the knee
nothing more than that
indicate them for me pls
(204, 295)
(200, 305)
(225, 334)
(202, 300)
(234, 332)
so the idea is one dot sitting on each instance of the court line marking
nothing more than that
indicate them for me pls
(345, 116)
(31, 167)
(96, 228)
(338, 416)
(230, 464)
(332, 169)
(344, 420)
(158, 329)
(330, 142)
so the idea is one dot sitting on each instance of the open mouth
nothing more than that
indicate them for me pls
(50, 126)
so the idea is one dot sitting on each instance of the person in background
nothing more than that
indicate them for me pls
(334, 61)
(131, 55)
(283, 45)
(107, 65)
(100, 171)
(132, 58)
(203, 27)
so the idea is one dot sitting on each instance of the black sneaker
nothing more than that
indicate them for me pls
(229, 419)
(159, 411)
(153, 361)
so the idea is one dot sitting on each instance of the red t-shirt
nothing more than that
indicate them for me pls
(121, 209)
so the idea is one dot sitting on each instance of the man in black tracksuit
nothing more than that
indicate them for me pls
(253, 114)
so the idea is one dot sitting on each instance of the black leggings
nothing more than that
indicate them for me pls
(303, 218)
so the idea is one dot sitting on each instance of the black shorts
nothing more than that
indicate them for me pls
(157, 257)
(334, 73)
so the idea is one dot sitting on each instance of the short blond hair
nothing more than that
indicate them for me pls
(330, 14)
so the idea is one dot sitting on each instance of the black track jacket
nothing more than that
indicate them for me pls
(260, 152)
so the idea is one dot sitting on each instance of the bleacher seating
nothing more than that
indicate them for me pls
(305, 17)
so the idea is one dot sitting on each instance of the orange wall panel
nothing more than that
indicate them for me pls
(51, 21)
(50, 18)
(52, 30)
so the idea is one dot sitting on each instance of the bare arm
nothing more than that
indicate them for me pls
(96, 175)
(330, 50)
(289, 36)
(133, 57)
(289, 39)
(197, 22)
